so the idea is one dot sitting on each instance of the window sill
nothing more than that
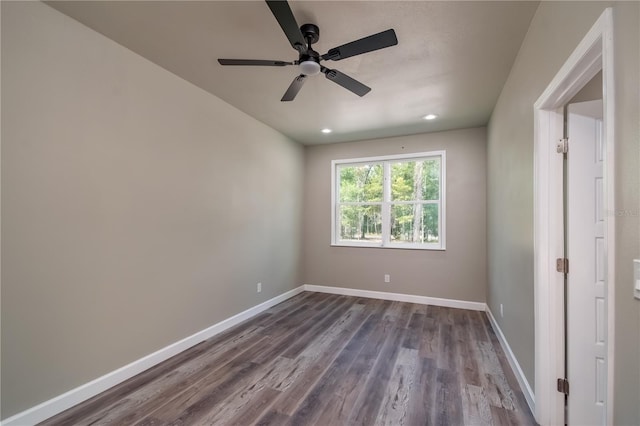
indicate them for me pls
(392, 247)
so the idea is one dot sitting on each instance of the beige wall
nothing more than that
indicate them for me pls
(554, 32)
(457, 273)
(137, 209)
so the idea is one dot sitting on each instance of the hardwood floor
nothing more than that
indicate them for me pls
(326, 360)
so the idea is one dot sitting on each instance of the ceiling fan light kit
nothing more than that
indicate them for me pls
(309, 67)
(302, 37)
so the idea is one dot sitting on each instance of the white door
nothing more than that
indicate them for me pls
(586, 292)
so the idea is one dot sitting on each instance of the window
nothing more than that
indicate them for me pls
(392, 202)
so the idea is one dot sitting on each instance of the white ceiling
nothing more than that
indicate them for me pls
(452, 59)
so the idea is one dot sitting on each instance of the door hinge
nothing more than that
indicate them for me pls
(563, 386)
(563, 146)
(562, 265)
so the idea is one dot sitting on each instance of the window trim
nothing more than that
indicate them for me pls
(386, 201)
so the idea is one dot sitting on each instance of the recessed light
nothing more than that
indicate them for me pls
(326, 130)
(430, 117)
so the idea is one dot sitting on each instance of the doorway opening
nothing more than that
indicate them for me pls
(592, 55)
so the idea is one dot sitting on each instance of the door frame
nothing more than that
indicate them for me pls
(593, 53)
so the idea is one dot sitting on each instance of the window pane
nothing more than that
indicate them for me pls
(360, 183)
(415, 180)
(361, 223)
(431, 180)
(414, 223)
(430, 222)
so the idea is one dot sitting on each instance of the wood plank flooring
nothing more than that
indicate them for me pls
(321, 359)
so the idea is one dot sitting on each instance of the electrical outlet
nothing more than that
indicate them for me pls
(387, 278)
(501, 311)
(259, 287)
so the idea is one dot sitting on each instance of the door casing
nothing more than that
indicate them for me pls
(593, 53)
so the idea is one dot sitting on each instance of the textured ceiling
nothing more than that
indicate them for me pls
(452, 59)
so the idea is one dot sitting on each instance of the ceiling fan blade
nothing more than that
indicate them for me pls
(294, 88)
(254, 62)
(284, 16)
(368, 44)
(347, 82)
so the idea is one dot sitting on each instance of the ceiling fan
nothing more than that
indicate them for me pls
(301, 39)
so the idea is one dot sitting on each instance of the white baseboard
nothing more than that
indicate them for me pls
(513, 362)
(75, 396)
(398, 297)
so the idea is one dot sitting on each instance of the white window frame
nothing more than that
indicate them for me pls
(386, 203)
